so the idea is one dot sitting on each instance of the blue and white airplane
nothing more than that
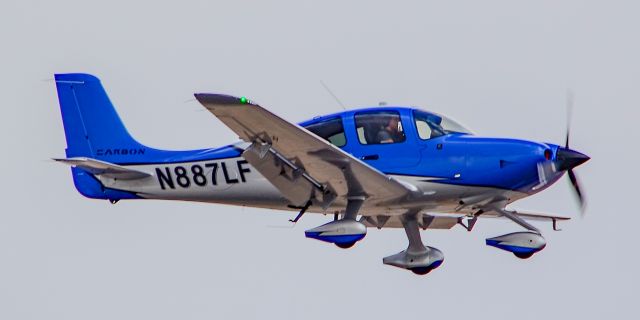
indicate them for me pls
(382, 167)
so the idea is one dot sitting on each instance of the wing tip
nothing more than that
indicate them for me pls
(220, 99)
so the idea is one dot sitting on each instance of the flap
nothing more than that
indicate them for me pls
(292, 186)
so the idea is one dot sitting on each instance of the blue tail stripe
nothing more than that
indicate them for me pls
(93, 129)
(90, 121)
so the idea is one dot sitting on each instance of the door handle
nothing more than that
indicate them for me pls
(370, 157)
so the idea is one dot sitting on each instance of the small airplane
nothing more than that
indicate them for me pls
(379, 167)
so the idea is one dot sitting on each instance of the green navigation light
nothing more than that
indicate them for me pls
(243, 99)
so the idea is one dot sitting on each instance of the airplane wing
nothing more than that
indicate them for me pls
(277, 143)
(103, 168)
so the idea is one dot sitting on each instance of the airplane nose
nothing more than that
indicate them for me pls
(567, 159)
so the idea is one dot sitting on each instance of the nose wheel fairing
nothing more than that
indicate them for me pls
(417, 258)
(418, 263)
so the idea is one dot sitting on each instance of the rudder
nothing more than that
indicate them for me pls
(93, 129)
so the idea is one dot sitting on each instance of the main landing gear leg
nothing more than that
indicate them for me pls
(418, 258)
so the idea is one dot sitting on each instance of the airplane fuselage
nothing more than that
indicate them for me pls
(445, 188)
(383, 167)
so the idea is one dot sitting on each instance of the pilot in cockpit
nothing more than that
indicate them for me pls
(392, 132)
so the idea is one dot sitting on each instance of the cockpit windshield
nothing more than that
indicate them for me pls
(432, 125)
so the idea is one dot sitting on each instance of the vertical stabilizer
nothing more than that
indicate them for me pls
(92, 127)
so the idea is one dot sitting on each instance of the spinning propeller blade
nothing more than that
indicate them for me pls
(576, 189)
(569, 107)
(568, 159)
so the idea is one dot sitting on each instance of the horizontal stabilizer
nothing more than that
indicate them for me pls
(105, 169)
(529, 216)
(540, 216)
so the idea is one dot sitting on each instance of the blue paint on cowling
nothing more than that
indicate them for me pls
(348, 238)
(510, 248)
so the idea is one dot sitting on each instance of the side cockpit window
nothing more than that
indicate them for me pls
(379, 127)
(330, 130)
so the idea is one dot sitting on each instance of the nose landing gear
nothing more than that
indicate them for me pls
(418, 258)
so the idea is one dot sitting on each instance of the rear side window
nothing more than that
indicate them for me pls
(379, 127)
(330, 130)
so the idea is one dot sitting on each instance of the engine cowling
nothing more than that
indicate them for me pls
(522, 244)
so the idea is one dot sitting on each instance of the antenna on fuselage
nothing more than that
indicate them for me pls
(333, 95)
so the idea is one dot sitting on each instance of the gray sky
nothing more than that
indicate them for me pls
(500, 67)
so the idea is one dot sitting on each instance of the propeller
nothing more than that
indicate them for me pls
(569, 107)
(567, 159)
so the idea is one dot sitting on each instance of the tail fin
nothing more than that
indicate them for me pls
(92, 127)
(94, 130)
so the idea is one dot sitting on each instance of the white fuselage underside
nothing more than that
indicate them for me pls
(223, 181)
